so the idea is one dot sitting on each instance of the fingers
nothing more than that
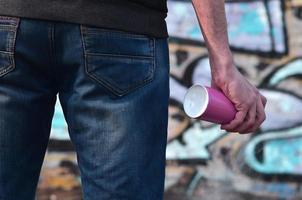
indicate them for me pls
(260, 117)
(249, 121)
(231, 127)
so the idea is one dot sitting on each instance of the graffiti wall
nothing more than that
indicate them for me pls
(253, 26)
(204, 162)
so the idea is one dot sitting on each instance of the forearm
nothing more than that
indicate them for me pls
(212, 21)
(247, 100)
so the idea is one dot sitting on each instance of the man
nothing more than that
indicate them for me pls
(108, 61)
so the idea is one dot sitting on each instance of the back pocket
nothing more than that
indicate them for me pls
(8, 31)
(119, 61)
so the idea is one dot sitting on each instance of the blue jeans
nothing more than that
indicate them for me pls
(114, 89)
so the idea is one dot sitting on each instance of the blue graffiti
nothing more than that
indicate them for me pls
(282, 152)
(293, 68)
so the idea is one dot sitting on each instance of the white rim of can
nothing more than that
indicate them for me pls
(196, 101)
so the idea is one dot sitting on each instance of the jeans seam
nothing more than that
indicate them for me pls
(82, 39)
(51, 43)
(84, 47)
(152, 52)
(14, 40)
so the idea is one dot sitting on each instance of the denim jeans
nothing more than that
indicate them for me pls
(114, 89)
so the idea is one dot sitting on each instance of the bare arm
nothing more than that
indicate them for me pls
(225, 76)
(212, 20)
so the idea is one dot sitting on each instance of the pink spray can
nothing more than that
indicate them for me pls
(208, 104)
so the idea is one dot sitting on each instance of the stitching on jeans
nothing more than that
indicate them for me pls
(51, 36)
(7, 27)
(82, 32)
(109, 85)
(152, 52)
(121, 55)
(11, 44)
(84, 50)
(14, 40)
(114, 88)
(6, 52)
(82, 38)
(11, 18)
(99, 30)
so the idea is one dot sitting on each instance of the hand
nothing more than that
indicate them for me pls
(247, 99)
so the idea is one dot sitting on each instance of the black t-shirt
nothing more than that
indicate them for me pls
(136, 16)
(160, 5)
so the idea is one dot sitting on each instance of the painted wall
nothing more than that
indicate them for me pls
(204, 162)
